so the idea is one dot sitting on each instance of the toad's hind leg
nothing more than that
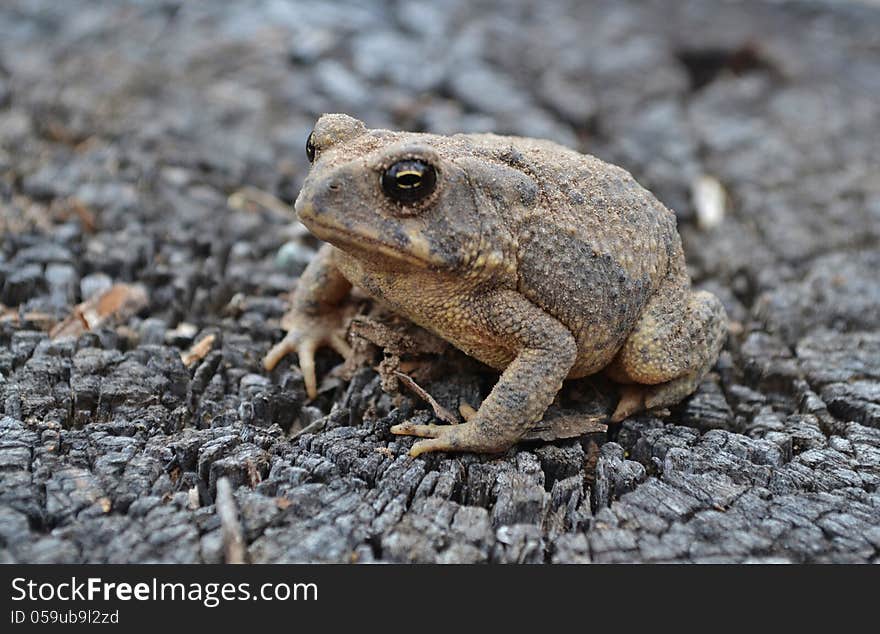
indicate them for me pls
(672, 347)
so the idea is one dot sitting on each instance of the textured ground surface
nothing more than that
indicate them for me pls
(128, 130)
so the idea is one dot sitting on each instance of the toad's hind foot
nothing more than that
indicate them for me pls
(463, 437)
(632, 401)
(467, 412)
(636, 398)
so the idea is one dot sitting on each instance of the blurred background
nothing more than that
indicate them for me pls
(137, 132)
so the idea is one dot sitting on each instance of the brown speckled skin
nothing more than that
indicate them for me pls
(535, 259)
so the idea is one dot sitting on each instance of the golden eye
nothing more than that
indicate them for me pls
(409, 181)
(310, 148)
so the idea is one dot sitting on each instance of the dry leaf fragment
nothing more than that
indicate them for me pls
(117, 303)
(397, 337)
(566, 425)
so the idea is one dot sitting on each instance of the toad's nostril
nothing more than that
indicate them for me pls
(334, 186)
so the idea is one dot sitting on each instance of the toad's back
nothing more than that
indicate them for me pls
(592, 249)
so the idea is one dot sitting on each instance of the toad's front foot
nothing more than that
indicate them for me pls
(305, 334)
(470, 436)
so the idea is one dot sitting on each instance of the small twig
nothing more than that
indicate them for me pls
(199, 350)
(234, 548)
(439, 411)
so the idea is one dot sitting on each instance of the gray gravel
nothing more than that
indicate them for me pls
(131, 134)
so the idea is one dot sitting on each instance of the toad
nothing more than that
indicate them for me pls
(541, 262)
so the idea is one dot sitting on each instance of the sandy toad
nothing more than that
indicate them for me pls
(539, 261)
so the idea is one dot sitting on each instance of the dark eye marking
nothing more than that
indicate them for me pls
(310, 148)
(409, 181)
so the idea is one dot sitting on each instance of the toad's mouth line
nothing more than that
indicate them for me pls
(349, 240)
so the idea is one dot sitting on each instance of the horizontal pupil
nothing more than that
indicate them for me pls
(409, 180)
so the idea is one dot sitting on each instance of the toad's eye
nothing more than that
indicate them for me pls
(310, 148)
(409, 181)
